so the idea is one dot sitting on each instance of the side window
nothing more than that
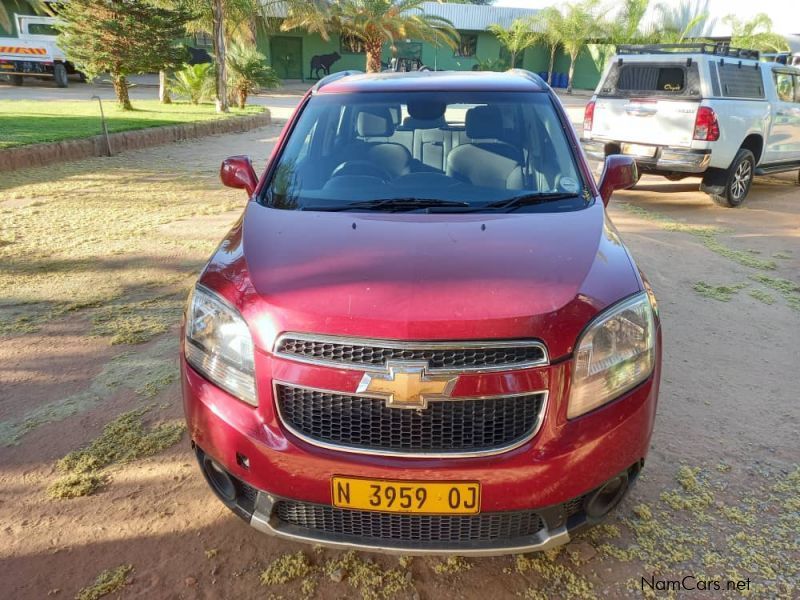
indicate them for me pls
(784, 86)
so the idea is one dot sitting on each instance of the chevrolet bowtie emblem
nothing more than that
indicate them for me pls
(407, 385)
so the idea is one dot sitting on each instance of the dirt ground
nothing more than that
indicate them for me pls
(95, 261)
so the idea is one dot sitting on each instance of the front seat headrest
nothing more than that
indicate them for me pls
(484, 122)
(374, 122)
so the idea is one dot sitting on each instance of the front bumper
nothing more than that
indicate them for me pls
(551, 474)
(665, 159)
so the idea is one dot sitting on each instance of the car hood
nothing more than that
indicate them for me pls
(423, 276)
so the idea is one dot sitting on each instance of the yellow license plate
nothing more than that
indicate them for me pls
(420, 497)
(639, 150)
(7, 67)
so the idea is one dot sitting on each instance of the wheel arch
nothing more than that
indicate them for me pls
(755, 143)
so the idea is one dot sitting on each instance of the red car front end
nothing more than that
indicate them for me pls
(422, 383)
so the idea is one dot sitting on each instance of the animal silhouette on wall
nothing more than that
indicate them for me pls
(323, 62)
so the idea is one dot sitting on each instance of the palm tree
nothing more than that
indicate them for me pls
(373, 22)
(679, 23)
(549, 22)
(756, 34)
(248, 72)
(517, 38)
(580, 25)
(195, 82)
(625, 28)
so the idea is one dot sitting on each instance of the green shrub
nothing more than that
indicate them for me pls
(195, 82)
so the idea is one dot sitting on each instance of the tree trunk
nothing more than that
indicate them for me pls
(373, 48)
(553, 49)
(513, 60)
(219, 57)
(163, 90)
(121, 91)
(571, 73)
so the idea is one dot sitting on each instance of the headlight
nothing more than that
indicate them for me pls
(219, 344)
(614, 354)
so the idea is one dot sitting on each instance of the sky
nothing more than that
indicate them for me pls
(785, 14)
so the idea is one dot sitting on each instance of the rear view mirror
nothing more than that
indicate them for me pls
(619, 173)
(237, 172)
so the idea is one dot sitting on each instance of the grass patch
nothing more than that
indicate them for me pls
(124, 439)
(137, 322)
(785, 287)
(107, 582)
(723, 293)
(708, 235)
(452, 564)
(368, 577)
(25, 122)
(762, 296)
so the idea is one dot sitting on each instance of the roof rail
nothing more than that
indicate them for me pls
(333, 77)
(528, 75)
(715, 48)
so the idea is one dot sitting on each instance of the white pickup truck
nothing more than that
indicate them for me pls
(698, 110)
(34, 53)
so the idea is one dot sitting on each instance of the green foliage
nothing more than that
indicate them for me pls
(625, 28)
(194, 82)
(517, 38)
(491, 64)
(120, 38)
(579, 25)
(373, 22)
(756, 34)
(107, 582)
(248, 72)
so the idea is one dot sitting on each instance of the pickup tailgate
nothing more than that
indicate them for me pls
(649, 101)
(663, 122)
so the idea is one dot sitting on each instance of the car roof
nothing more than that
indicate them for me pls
(515, 80)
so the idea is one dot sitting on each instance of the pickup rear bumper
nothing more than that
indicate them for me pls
(665, 159)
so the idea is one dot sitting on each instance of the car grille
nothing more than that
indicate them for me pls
(367, 354)
(445, 427)
(419, 530)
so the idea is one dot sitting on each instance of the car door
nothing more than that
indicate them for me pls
(783, 144)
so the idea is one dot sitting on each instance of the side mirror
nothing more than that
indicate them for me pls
(237, 172)
(619, 173)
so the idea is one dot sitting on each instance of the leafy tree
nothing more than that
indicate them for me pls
(677, 24)
(120, 38)
(373, 22)
(490, 64)
(579, 26)
(248, 72)
(195, 82)
(517, 38)
(625, 28)
(550, 22)
(756, 34)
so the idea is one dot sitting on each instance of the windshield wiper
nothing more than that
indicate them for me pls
(410, 203)
(529, 200)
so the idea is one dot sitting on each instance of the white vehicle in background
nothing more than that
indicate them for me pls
(703, 110)
(34, 52)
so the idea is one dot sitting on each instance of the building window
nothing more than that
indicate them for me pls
(349, 44)
(467, 45)
(202, 40)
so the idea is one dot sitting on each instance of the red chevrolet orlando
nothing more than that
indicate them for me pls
(423, 335)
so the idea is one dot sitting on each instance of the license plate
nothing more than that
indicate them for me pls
(639, 150)
(420, 497)
(6, 66)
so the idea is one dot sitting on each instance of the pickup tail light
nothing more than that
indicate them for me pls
(588, 117)
(706, 127)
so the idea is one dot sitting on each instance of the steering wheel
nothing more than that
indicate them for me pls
(361, 167)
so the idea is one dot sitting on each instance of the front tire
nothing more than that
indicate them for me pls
(737, 180)
(60, 75)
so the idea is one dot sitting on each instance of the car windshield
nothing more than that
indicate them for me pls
(428, 151)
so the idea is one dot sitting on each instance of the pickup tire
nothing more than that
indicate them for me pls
(60, 75)
(730, 187)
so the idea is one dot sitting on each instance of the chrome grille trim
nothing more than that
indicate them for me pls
(543, 394)
(405, 351)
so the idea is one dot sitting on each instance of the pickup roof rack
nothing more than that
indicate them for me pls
(713, 48)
